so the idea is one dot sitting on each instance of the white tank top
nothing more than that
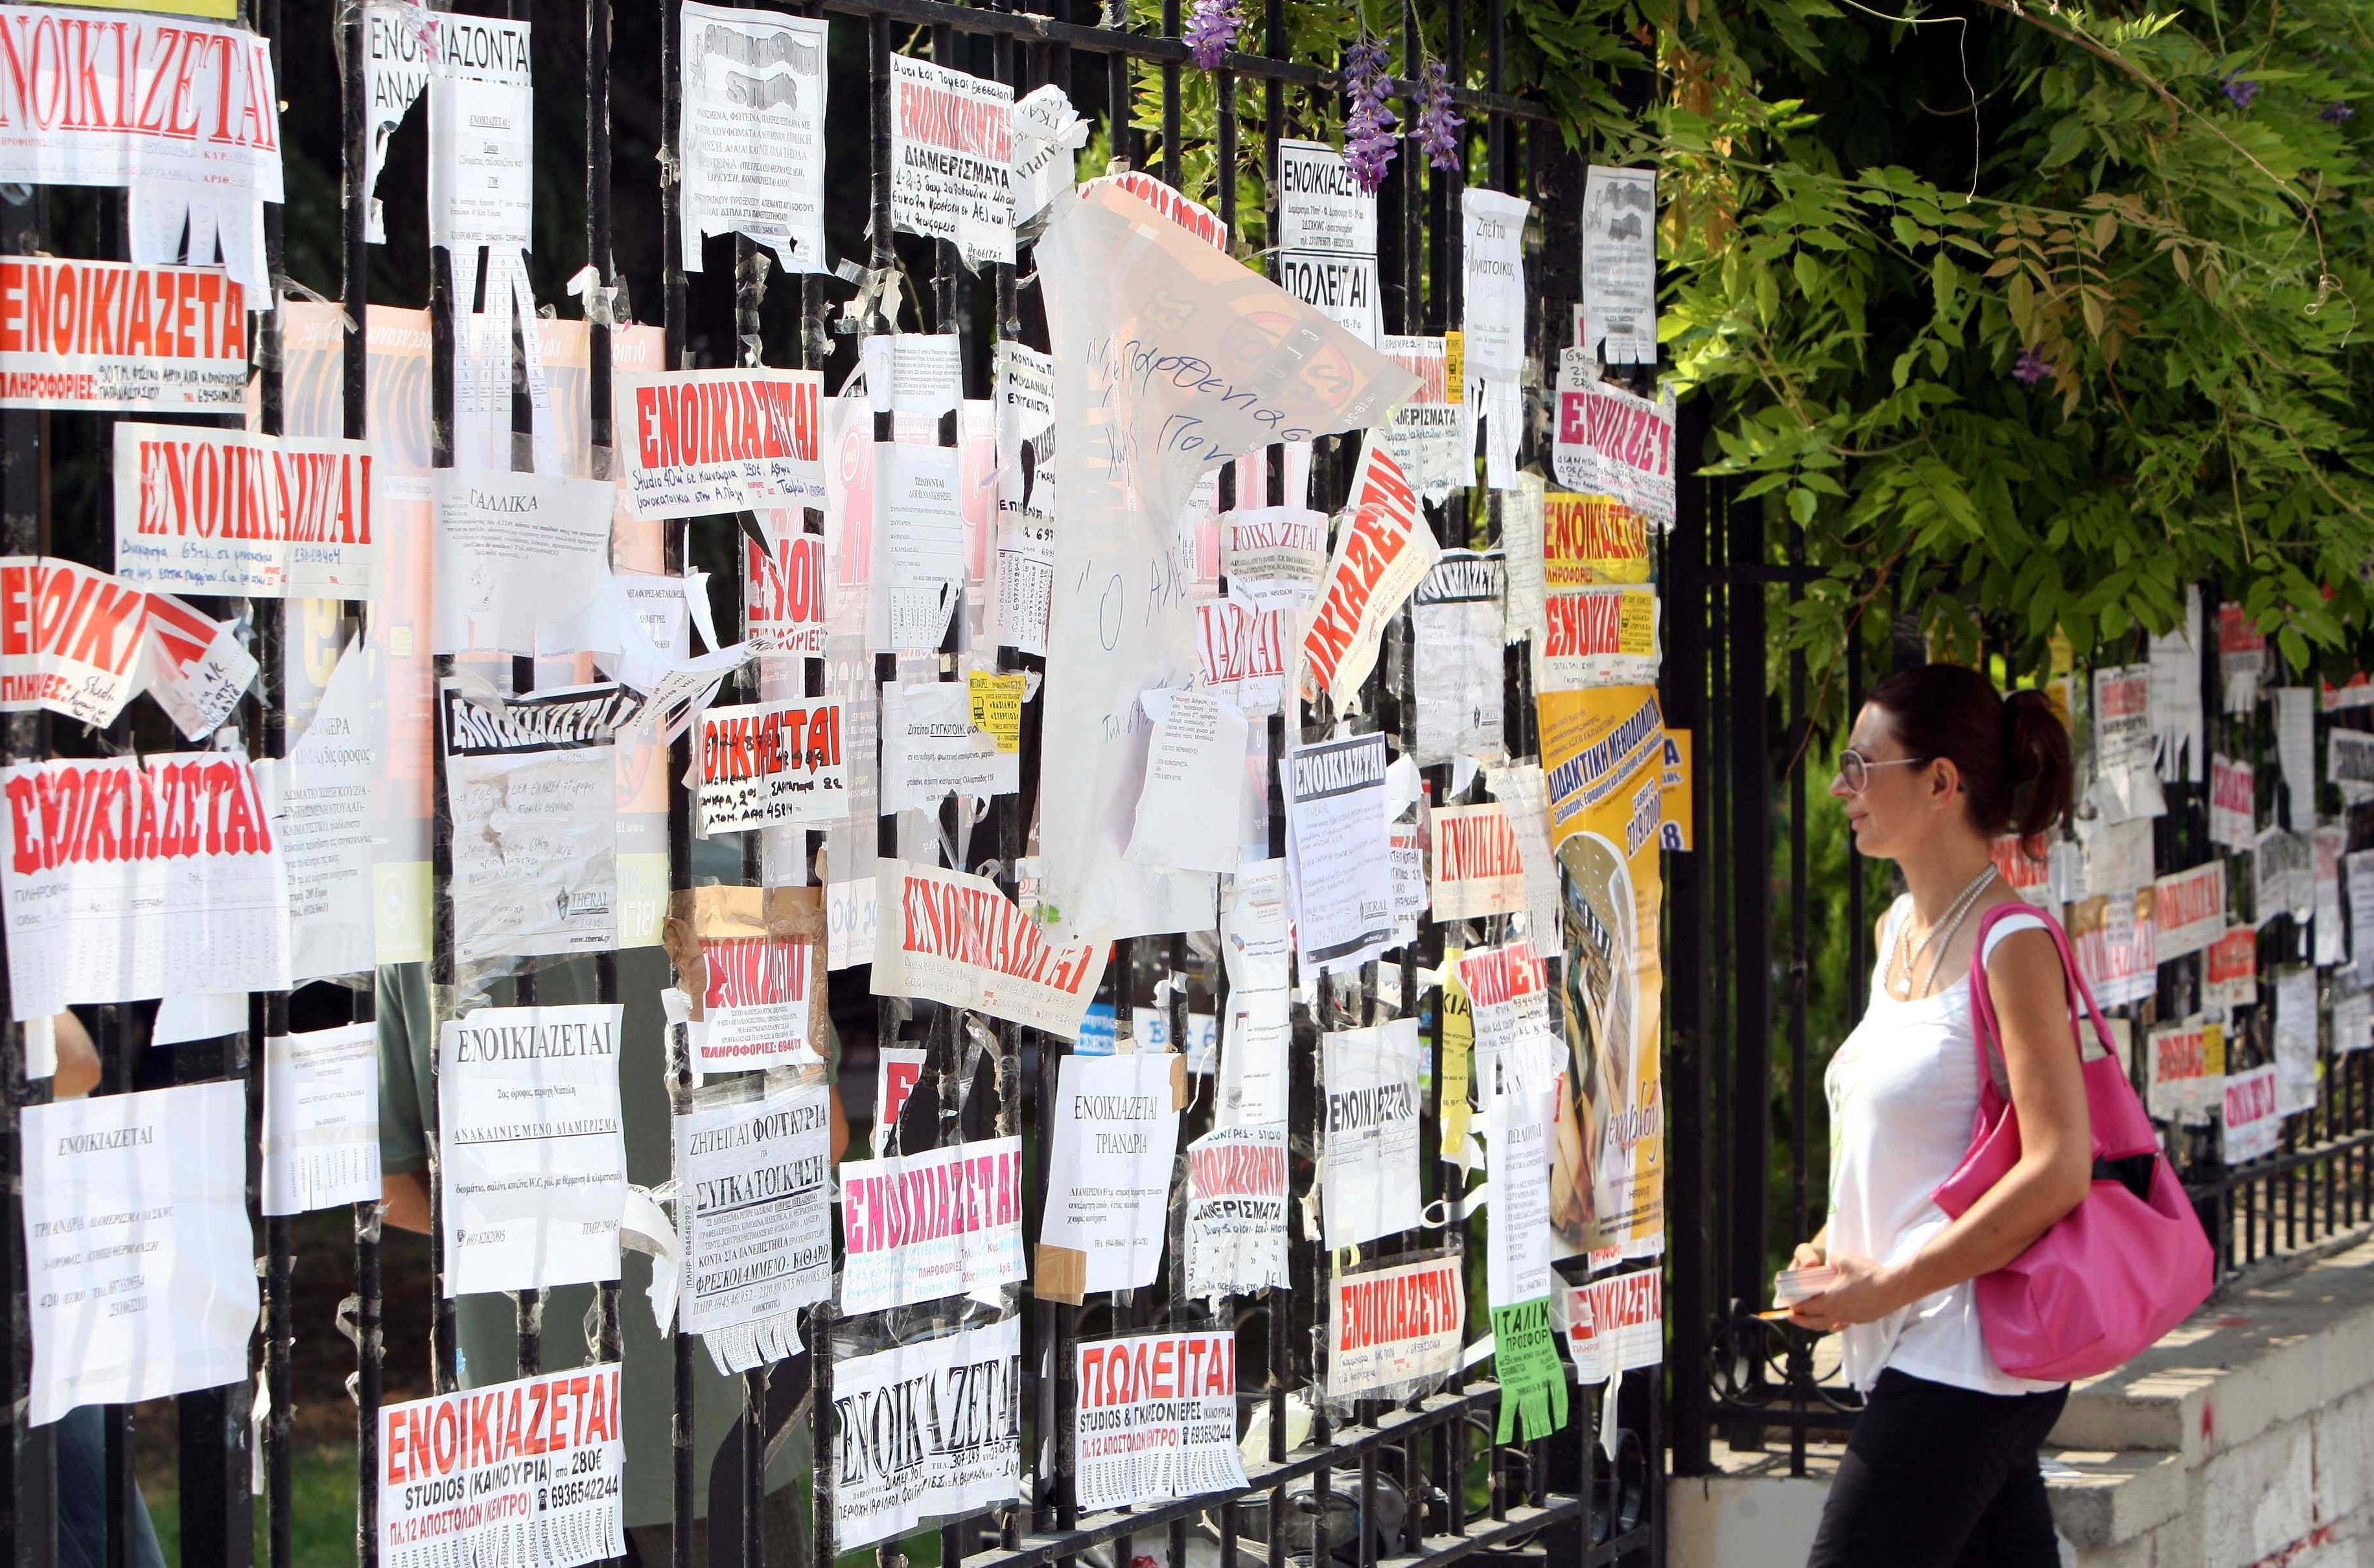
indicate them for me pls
(1903, 1091)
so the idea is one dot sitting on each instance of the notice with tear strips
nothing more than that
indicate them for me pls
(753, 107)
(754, 1196)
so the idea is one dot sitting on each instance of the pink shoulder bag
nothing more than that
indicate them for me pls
(2116, 1272)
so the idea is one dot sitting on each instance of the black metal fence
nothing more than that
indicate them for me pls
(1423, 1482)
(1771, 950)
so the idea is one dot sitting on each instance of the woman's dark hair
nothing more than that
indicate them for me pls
(2012, 752)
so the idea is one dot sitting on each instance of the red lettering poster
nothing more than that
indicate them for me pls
(524, 1472)
(1615, 1324)
(1395, 1331)
(221, 511)
(1381, 554)
(956, 938)
(70, 639)
(783, 587)
(1599, 636)
(1157, 1420)
(751, 960)
(696, 442)
(1478, 869)
(125, 882)
(945, 1222)
(2188, 909)
(769, 763)
(109, 335)
(951, 157)
(1615, 443)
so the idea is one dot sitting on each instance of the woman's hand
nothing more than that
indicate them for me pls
(1865, 1291)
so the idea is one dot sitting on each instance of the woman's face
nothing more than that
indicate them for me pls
(1905, 799)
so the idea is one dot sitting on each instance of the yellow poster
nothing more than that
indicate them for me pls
(1591, 540)
(1604, 750)
(1675, 831)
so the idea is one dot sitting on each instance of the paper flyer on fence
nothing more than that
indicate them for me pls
(1592, 541)
(518, 555)
(399, 52)
(1338, 855)
(139, 1257)
(929, 1429)
(524, 1472)
(1157, 1419)
(783, 587)
(482, 135)
(931, 749)
(1614, 1324)
(2233, 803)
(1170, 359)
(534, 810)
(70, 639)
(1395, 1329)
(751, 964)
(1478, 868)
(1600, 637)
(535, 1166)
(754, 1204)
(1493, 254)
(1194, 776)
(2188, 1070)
(2295, 1039)
(945, 1222)
(951, 157)
(196, 669)
(202, 511)
(2188, 908)
(753, 108)
(320, 797)
(1371, 1132)
(693, 442)
(1236, 1212)
(766, 764)
(1327, 235)
(1114, 1135)
(321, 1119)
(1253, 1058)
(1383, 551)
(1428, 435)
(130, 880)
(1603, 751)
(2250, 1126)
(1619, 265)
(952, 938)
(1615, 443)
(1456, 617)
(108, 335)
(1273, 557)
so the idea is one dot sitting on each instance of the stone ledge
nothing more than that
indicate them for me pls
(2238, 1368)
(2102, 1498)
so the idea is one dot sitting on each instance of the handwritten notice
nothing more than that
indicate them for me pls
(1385, 551)
(952, 158)
(1494, 258)
(701, 441)
(770, 763)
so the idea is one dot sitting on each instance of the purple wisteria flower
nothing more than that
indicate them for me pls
(1438, 123)
(2336, 113)
(1369, 144)
(2239, 90)
(1213, 29)
(2030, 368)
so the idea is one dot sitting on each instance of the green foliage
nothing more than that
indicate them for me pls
(1872, 221)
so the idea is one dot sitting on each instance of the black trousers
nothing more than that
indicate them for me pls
(1939, 1476)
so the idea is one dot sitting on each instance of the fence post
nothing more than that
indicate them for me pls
(1747, 726)
(1688, 1235)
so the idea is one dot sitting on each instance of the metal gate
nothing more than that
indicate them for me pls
(1770, 945)
(1426, 1480)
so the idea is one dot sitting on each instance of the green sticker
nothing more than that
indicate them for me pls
(1525, 1359)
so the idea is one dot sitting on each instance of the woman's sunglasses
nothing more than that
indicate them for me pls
(1854, 768)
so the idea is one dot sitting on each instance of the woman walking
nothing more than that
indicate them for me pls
(1942, 1467)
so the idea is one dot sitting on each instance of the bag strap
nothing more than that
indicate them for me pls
(1986, 1031)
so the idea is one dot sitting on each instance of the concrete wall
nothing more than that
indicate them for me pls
(2245, 1439)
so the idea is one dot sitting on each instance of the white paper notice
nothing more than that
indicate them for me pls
(130, 881)
(1194, 772)
(1611, 442)
(769, 763)
(2252, 1125)
(752, 137)
(1253, 926)
(1254, 1056)
(534, 787)
(543, 1488)
(2357, 873)
(321, 1119)
(930, 749)
(1371, 1143)
(2176, 697)
(2189, 908)
(2326, 849)
(481, 136)
(1517, 1175)
(951, 158)
(785, 588)
(535, 1166)
(695, 442)
(516, 551)
(1619, 265)
(2295, 752)
(197, 668)
(2296, 1040)
(930, 1429)
(71, 639)
(1494, 253)
(754, 1196)
(1273, 557)
(1615, 1325)
(2233, 809)
(220, 511)
(1046, 132)
(919, 545)
(2187, 1068)
(1478, 866)
(139, 1257)
(1456, 620)
(1157, 1420)
(1429, 436)
(323, 812)
(1397, 1328)
(1338, 852)
(1190, 359)
(2349, 764)
(402, 51)
(945, 1222)
(1327, 235)
(1236, 1212)
(100, 336)
(1114, 1136)
(952, 938)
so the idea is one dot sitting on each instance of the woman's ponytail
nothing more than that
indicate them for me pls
(2036, 764)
